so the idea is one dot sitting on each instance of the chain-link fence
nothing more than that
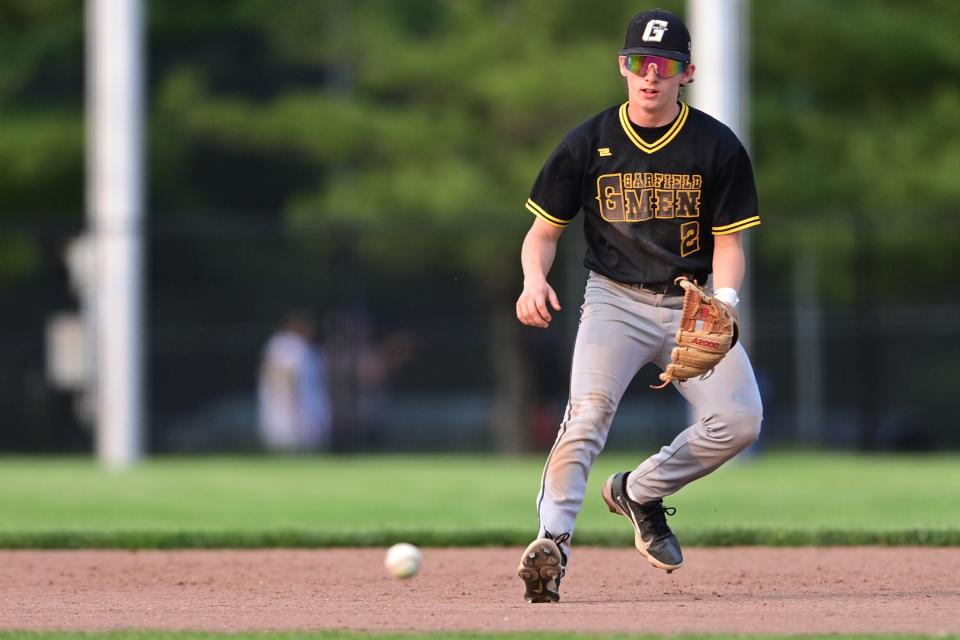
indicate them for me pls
(419, 351)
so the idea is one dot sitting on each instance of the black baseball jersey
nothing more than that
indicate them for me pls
(653, 198)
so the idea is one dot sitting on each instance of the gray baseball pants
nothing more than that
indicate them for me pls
(622, 328)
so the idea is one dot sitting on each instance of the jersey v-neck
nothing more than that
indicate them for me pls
(661, 136)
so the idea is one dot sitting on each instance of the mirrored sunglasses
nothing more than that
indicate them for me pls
(666, 68)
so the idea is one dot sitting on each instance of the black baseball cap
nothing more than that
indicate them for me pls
(657, 33)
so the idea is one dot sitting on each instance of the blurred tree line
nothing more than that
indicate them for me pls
(429, 119)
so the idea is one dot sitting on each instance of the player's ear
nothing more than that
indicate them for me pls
(623, 65)
(686, 77)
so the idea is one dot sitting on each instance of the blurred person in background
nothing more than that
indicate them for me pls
(293, 398)
(360, 366)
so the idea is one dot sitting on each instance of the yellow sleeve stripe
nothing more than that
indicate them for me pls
(538, 211)
(736, 226)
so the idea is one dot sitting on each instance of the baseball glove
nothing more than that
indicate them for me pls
(708, 330)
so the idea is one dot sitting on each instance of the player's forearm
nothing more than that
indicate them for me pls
(729, 262)
(538, 253)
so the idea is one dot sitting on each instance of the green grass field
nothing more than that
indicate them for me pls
(345, 635)
(774, 498)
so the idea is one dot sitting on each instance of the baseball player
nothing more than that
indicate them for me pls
(666, 191)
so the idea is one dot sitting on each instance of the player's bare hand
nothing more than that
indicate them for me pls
(532, 307)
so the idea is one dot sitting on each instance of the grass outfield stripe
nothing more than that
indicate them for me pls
(351, 635)
(438, 538)
(770, 498)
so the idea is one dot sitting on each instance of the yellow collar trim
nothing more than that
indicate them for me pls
(656, 145)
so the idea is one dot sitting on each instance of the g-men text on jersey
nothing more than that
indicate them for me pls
(637, 197)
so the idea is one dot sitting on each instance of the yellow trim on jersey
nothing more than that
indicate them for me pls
(734, 227)
(656, 145)
(538, 211)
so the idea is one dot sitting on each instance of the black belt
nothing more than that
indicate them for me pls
(664, 288)
(661, 288)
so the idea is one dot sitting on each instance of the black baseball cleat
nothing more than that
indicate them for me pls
(652, 537)
(541, 567)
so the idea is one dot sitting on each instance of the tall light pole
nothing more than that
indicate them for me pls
(721, 86)
(115, 211)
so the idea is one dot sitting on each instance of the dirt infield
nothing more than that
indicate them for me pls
(806, 590)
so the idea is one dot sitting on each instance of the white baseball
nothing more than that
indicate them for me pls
(403, 560)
